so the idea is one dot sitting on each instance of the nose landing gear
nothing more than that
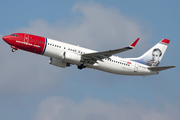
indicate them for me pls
(14, 48)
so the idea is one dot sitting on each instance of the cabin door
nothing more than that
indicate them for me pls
(136, 67)
(26, 38)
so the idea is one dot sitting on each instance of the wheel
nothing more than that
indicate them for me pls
(81, 66)
(13, 50)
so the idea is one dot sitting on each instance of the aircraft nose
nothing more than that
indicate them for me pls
(5, 38)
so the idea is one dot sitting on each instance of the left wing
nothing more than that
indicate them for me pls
(106, 54)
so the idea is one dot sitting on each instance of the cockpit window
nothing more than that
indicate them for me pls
(14, 35)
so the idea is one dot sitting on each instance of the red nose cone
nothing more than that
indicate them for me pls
(6, 38)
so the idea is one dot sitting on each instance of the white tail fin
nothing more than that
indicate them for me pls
(153, 56)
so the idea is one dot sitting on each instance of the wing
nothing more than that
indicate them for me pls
(106, 54)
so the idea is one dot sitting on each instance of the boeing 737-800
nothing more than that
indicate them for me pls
(63, 55)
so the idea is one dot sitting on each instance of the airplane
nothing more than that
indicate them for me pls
(64, 55)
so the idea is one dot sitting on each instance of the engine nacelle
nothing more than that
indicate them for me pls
(72, 57)
(58, 63)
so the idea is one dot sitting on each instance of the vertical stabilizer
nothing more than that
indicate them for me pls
(153, 56)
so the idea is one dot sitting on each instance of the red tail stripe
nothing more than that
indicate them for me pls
(165, 41)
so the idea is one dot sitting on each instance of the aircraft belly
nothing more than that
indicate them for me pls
(123, 70)
(115, 68)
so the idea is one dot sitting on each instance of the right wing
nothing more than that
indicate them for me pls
(106, 54)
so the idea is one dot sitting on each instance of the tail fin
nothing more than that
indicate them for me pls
(153, 56)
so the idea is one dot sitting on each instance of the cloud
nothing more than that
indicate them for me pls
(24, 72)
(59, 108)
(94, 26)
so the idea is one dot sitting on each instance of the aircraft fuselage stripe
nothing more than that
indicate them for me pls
(45, 46)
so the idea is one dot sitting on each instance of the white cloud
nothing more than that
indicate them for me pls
(1, 36)
(24, 72)
(59, 108)
(94, 26)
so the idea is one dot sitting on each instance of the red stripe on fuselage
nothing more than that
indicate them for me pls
(38, 43)
(27, 42)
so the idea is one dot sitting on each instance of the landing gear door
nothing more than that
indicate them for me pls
(136, 67)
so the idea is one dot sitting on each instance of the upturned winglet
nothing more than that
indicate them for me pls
(134, 43)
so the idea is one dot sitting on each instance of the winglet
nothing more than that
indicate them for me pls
(134, 43)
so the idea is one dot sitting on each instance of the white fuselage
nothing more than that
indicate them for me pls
(113, 64)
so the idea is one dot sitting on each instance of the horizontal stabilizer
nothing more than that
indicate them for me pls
(160, 68)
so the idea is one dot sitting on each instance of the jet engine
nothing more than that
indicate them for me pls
(58, 63)
(72, 57)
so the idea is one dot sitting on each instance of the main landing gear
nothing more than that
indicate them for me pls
(81, 66)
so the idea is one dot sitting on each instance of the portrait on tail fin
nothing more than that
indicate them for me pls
(156, 54)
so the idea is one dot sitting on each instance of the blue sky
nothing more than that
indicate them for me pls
(32, 89)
